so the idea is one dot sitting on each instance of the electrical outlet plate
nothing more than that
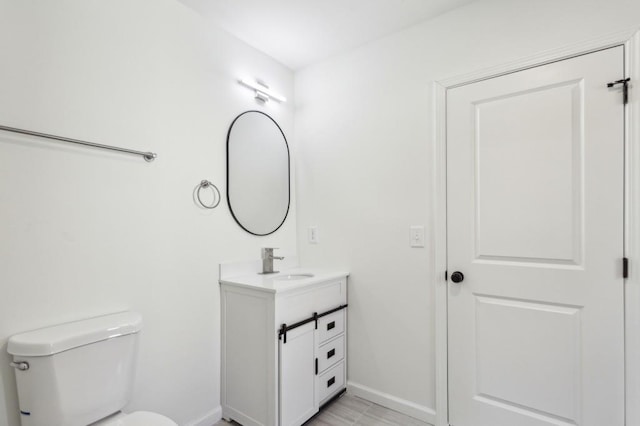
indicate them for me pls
(312, 234)
(417, 235)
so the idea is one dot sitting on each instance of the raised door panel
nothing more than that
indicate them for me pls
(528, 182)
(528, 355)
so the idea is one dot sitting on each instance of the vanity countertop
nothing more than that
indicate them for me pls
(277, 283)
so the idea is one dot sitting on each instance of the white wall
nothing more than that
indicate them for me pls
(364, 132)
(87, 232)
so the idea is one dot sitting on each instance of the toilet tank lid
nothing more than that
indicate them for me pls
(51, 340)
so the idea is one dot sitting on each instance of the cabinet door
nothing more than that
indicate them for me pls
(297, 376)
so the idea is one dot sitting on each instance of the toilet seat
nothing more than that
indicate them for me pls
(138, 418)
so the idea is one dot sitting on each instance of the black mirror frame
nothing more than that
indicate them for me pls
(288, 173)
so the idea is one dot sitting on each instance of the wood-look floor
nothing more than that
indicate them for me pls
(350, 410)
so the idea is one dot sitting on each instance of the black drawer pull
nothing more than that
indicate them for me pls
(331, 381)
(331, 325)
(331, 353)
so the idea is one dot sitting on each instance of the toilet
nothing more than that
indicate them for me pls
(80, 373)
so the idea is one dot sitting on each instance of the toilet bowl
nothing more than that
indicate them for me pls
(80, 373)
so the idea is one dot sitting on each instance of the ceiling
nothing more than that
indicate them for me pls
(298, 33)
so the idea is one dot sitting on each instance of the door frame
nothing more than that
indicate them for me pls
(630, 39)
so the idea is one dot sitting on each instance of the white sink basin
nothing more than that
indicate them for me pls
(293, 277)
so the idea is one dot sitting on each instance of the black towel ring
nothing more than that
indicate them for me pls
(216, 194)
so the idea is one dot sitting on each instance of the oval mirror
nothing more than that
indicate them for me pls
(257, 173)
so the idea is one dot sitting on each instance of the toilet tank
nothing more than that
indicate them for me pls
(78, 372)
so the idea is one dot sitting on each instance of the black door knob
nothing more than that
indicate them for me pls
(457, 277)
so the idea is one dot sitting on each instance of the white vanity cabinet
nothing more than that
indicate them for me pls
(283, 347)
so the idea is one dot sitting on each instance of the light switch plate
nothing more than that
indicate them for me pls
(417, 236)
(313, 234)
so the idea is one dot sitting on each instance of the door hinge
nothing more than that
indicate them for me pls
(625, 88)
(625, 267)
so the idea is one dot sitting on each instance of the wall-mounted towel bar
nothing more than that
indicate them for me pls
(148, 156)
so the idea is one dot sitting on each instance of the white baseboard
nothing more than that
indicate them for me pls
(209, 419)
(400, 405)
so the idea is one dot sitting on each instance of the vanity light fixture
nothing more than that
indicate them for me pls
(263, 93)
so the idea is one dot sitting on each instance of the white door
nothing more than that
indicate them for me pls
(535, 224)
(298, 400)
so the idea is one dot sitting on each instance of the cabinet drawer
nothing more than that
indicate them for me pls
(298, 305)
(330, 353)
(330, 382)
(330, 326)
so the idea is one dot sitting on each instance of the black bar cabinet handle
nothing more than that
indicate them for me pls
(331, 381)
(331, 353)
(331, 325)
